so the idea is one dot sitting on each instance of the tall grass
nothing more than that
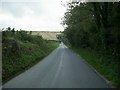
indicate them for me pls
(108, 71)
(21, 51)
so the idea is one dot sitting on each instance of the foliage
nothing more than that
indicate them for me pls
(21, 50)
(95, 26)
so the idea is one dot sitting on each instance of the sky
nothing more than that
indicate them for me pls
(35, 15)
(32, 15)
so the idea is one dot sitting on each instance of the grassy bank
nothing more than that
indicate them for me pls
(20, 52)
(108, 71)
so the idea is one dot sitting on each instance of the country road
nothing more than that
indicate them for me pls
(61, 69)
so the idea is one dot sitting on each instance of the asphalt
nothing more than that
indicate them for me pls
(61, 69)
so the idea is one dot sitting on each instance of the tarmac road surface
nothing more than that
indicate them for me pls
(61, 69)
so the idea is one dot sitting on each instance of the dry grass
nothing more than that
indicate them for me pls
(48, 35)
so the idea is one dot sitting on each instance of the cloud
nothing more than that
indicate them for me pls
(19, 9)
(37, 15)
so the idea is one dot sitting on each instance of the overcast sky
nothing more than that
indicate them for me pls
(42, 15)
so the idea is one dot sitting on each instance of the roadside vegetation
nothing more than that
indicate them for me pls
(93, 31)
(21, 50)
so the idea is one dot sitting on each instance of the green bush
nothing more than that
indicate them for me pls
(21, 50)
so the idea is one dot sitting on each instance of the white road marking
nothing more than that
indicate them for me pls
(58, 71)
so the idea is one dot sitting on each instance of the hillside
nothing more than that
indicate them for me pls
(48, 35)
(21, 50)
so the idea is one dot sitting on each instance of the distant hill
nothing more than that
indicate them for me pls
(48, 35)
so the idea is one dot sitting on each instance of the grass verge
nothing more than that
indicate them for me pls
(107, 71)
(30, 54)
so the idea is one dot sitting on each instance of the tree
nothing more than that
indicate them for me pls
(94, 25)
